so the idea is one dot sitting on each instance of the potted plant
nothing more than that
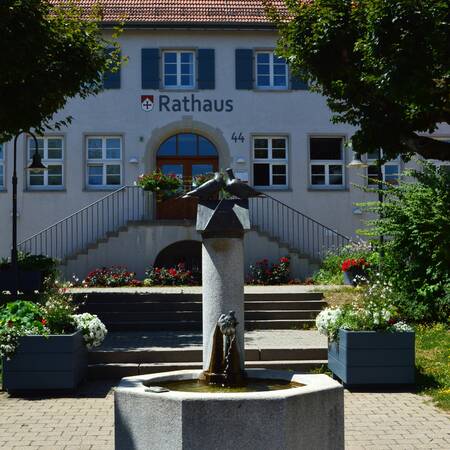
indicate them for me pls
(33, 271)
(44, 346)
(156, 181)
(354, 271)
(368, 343)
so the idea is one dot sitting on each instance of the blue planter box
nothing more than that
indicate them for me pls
(56, 362)
(373, 357)
(29, 280)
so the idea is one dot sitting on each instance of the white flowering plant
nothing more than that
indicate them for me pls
(56, 315)
(94, 330)
(374, 313)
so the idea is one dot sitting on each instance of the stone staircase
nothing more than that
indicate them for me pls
(117, 364)
(153, 311)
(151, 331)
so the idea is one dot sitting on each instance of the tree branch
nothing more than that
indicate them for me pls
(427, 147)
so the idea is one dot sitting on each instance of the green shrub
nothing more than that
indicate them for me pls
(330, 271)
(415, 221)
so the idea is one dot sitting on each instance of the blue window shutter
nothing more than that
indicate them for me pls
(297, 84)
(206, 68)
(111, 80)
(150, 68)
(244, 68)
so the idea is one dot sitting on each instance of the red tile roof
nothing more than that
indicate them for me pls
(182, 12)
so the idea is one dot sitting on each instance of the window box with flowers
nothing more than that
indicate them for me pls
(368, 344)
(44, 346)
(165, 186)
(355, 271)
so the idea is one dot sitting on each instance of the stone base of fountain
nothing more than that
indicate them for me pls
(306, 417)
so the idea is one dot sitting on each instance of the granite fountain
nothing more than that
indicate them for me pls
(224, 406)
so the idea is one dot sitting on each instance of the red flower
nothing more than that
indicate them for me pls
(284, 259)
(44, 322)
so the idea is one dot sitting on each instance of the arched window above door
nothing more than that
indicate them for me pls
(188, 145)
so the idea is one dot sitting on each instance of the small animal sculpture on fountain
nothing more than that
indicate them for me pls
(238, 188)
(208, 189)
(233, 186)
(224, 367)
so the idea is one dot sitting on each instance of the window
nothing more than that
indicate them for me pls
(2, 167)
(51, 149)
(178, 69)
(104, 161)
(270, 159)
(271, 71)
(326, 162)
(390, 170)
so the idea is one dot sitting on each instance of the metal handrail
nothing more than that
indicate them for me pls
(294, 229)
(109, 214)
(87, 226)
(74, 214)
(308, 217)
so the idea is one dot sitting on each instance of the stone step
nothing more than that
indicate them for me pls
(280, 324)
(114, 317)
(196, 325)
(177, 355)
(149, 297)
(114, 371)
(160, 306)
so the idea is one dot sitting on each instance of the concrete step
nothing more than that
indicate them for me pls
(176, 355)
(196, 325)
(185, 325)
(316, 305)
(143, 296)
(111, 371)
(169, 316)
(160, 306)
(281, 324)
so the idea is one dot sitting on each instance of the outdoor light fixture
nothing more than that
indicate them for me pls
(133, 160)
(240, 161)
(36, 165)
(356, 162)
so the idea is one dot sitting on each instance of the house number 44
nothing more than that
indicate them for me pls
(235, 137)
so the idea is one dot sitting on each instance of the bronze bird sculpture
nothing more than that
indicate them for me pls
(238, 188)
(207, 189)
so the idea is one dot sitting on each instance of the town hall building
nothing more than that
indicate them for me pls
(201, 89)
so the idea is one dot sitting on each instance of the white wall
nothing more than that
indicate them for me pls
(137, 248)
(294, 113)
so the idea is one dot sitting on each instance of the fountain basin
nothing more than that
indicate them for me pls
(310, 416)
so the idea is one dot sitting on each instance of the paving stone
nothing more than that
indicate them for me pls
(85, 420)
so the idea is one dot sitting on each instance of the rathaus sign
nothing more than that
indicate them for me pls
(187, 103)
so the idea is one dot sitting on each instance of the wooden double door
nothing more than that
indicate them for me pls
(185, 169)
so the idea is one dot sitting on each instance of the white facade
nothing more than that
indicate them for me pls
(294, 115)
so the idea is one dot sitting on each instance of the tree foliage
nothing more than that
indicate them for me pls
(50, 54)
(415, 221)
(383, 65)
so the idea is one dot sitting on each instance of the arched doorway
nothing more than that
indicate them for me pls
(186, 155)
(187, 252)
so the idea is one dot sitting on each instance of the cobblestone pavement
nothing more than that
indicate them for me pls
(374, 420)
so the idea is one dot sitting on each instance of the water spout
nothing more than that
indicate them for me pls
(224, 366)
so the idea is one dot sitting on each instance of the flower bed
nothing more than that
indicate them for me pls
(111, 277)
(368, 342)
(173, 276)
(264, 274)
(43, 346)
